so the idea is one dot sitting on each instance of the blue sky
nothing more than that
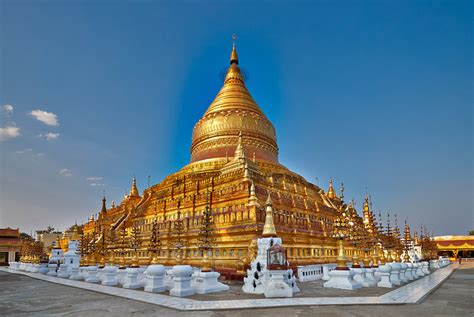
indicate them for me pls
(377, 94)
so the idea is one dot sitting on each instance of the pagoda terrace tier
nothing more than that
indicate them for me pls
(236, 191)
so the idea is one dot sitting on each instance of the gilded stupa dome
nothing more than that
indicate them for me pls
(234, 112)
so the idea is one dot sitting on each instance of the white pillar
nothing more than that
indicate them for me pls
(63, 271)
(110, 276)
(52, 269)
(408, 271)
(384, 273)
(182, 281)
(92, 274)
(395, 273)
(419, 269)
(403, 269)
(360, 277)
(75, 275)
(155, 275)
(131, 279)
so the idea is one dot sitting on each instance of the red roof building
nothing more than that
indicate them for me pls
(9, 245)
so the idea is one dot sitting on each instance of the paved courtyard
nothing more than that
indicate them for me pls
(25, 296)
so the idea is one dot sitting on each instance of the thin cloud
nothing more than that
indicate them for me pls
(48, 118)
(24, 151)
(65, 172)
(40, 154)
(94, 178)
(49, 136)
(97, 184)
(9, 132)
(8, 109)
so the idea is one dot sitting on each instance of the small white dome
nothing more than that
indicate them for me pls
(385, 268)
(155, 269)
(182, 270)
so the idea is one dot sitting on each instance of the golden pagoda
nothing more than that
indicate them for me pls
(234, 170)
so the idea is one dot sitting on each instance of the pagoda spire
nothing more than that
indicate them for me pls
(366, 203)
(366, 209)
(396, 230)
(104, 208)
(407, 233)
(253, 201)
(389, 228)
(269, 227)
(134, 190)
(234, 58)
(331, 193)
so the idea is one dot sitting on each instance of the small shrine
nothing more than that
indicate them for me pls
(276, 258)
(269, 272)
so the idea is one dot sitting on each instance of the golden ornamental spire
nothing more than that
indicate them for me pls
(269, 227)
(104, 208)
(331, 193)
(407, 233)
(416, 240)
(253, 201)
(366, 203)
(134, 190)
(234, 58)
(342, 191)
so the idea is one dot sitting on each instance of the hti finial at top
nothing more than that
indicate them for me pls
(234, 58)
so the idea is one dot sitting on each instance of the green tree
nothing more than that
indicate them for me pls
(25, 236)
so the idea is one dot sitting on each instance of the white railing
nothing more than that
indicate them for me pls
(310, 272)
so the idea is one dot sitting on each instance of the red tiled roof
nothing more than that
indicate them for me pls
(9, 232)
